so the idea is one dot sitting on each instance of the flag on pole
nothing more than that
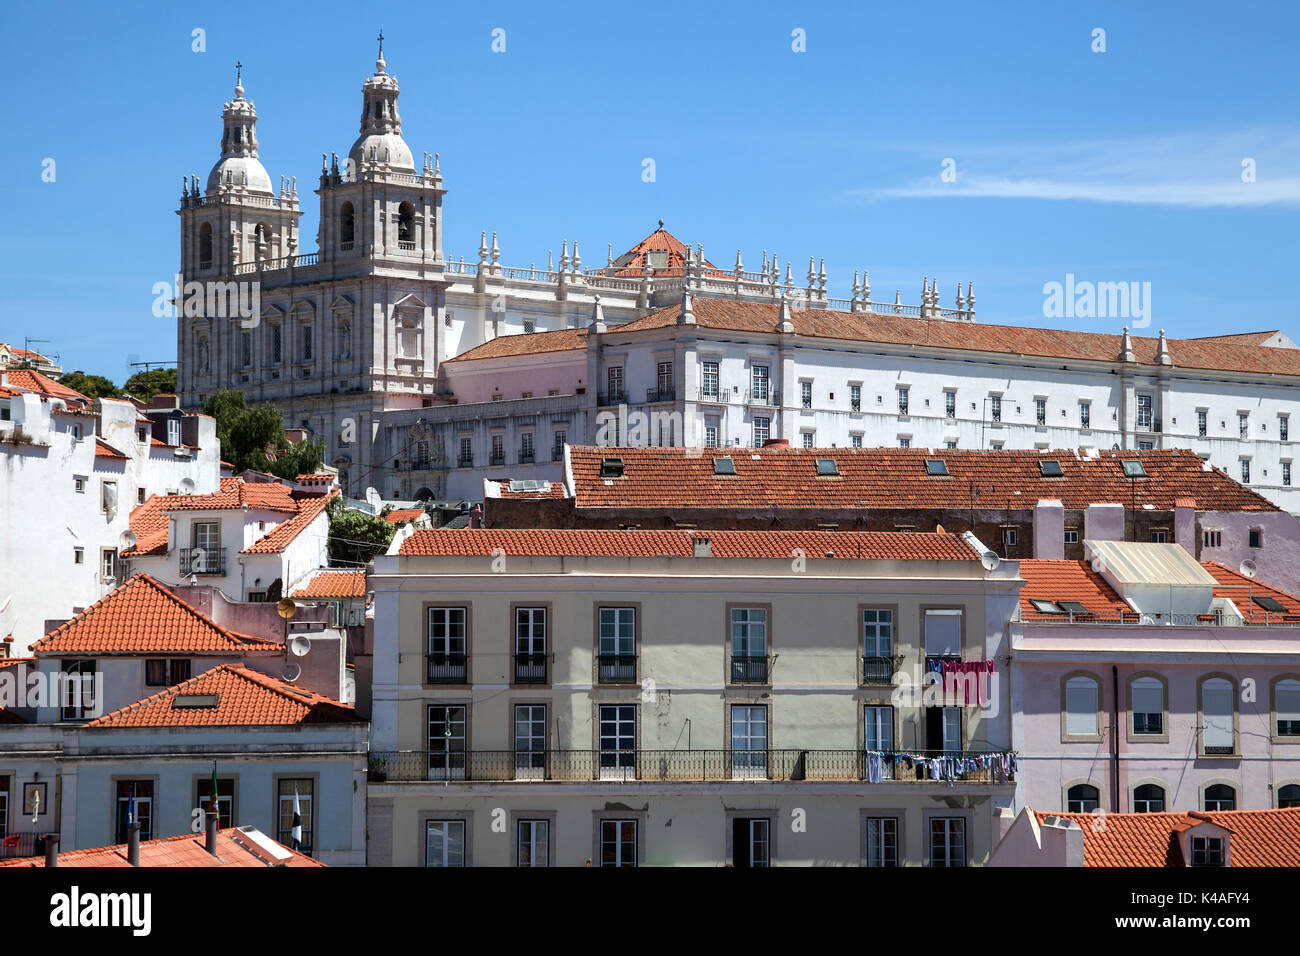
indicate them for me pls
(216, 811)
(297, 821)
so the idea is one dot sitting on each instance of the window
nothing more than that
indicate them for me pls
(1207, 851)
(1040, 411)
(1286, 472)
(995, 407)
(748, 740)
(947, 841)
(881, 838)
(78, 555)
(1255, 538)
(1288, 796)
(618, 843)
(533, 843)
(1159, 536)
(276, 343)
(1217, 712)
(1212, 539)
(808, 439)
(1082, 798)
(530, 645)
(1145, 419)
(108, 564)
(902, 401)
(1148, 704)
(173, 432)
(1009, 537)
(447, 643)
(558, 444)
(936, 467)
(664, 379)
(751, 841)
(1085, 414)
(1245, 471)
(164, 672)
(306, 343)
(447, 741)
(530, 741)
(710, 436)
(1082, 707)
(614, 377)
(245, 349)
(207, 535)
(79, 484)
(762, 431)
(878, 632)
(444, 843)
(1146, 445)
(1243, 424)
(108, 497)
(949, 404)
(748, 644)
(466, 452)
(77, 697)
(709, 380)
(347, 225)
(855, 398)
(617, 738)
(225, 799)
(805, 394)
(526, 450)
(759, 380)
(1283, 427)
(855, 440)
(1071, 535)
(616, 644)
(1149, 798)
(1202, 427)
(1133, 468)
(1220, 796)
(943, 632)
(943, 728)
(134, 804)
(951, 443)
(530, 326)
(904, 441)
(498, 449)
(1286, 707)
(878, 727)
(140, 495)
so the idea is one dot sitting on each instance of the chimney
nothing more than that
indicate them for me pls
(1049, 529)
(702, 547)
(51, 849)
(133, 843)
(210, 824)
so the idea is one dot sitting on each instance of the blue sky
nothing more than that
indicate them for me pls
(1117, 166)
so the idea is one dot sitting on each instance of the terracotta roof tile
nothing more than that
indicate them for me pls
(1242, 591)
(104, 450)
(140, 616)
(234, 848)
(237, 493)
(278, 538)
(149, 524)
(633, 262)
(1259, 837)
(399, 515)
(554, 489)
(783, 477)
(33, 381)
(864, 545)
(1047, 580)
(525, 343)
(334, 583)
(243, 698)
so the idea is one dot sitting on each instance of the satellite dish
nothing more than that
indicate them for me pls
(990, 560)
(300, 646)
(286, 608)
(1248, 568)
(187, 486)
(127, 540)
(292, 671)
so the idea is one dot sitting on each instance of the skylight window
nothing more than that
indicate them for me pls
(187, 701)
(1269, 603)
(724, 466)
(611, 468)
(1050, 469)
(827, 466)
(1075, 608)
(1045, 607)
(935, 466)
(1133, 469)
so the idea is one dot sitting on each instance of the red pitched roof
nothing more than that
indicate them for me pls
(554, 489)
(633, 262)
(762, 317)
(237, 493)
(334, 583)
(1259, 837)
(1049, 580)
(149, 524)
(1242, 591)
(526, 343)
(104, 450)
(140, 616)
(235, 847)
(864, 545)
(782, 477)
(278, 538)
(399, 515)
(241, 697)
(33, 381)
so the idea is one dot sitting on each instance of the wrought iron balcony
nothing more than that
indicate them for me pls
(616, 668)
(878, 670)
(526, 456)
(203, 561)
(611, 398)
(465, 461)
(530, 668)
(446, 669)
(557, 453)
(653, 395)
(497, 458)
(746, 669)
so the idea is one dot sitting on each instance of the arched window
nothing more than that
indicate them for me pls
(1082, 798)
(1286, 707)
(347, 225)
(1220, 796)
(1082, 706)
(1149, 798)
(205, 245)
(1217, 735)
(406, 225)
(1289, 796)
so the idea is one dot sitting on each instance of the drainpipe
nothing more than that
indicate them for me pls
(51, 849)
(210, 835)
(133, 844)
(1114, 739)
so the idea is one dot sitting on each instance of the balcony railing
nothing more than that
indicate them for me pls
(203, 561)
(748, 669)
(526, 456)
(878, 670)
(616, 668)
(653, 395)
(446, 669)
(611, 398)
(618, 766)
(465, 461)
(530, 668)
(497, 458)
(557, 453)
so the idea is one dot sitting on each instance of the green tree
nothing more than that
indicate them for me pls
(155, 381)
(247, 433)
(356, 537)
(92, 386)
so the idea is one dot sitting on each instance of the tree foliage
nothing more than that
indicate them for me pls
(356, 537)
(155, 381)
(92, 386)
(247, 433)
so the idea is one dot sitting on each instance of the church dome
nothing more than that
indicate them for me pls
(239, 166)
(381, 125)
(243, 171)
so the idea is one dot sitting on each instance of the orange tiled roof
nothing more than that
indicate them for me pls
(1259, 837)
(334, 583)
(554, 489)
(633, 262)
(865, 545)
(1049, 580)
(149, 524)
(243, 698)
(761, 317)
(1242, 590)
(398, 515)
(278, 538)
(104, 450)
(33, 381)
(237, 493)
(896, 478)
(234, 848)
(27, 354)
(140, 616)
(526, 343)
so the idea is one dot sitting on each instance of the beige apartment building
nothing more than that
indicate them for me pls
(746, 698)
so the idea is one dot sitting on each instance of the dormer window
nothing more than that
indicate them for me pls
(611, 468)
(1208, 851)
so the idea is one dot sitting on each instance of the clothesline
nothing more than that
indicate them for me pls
(949, 768)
